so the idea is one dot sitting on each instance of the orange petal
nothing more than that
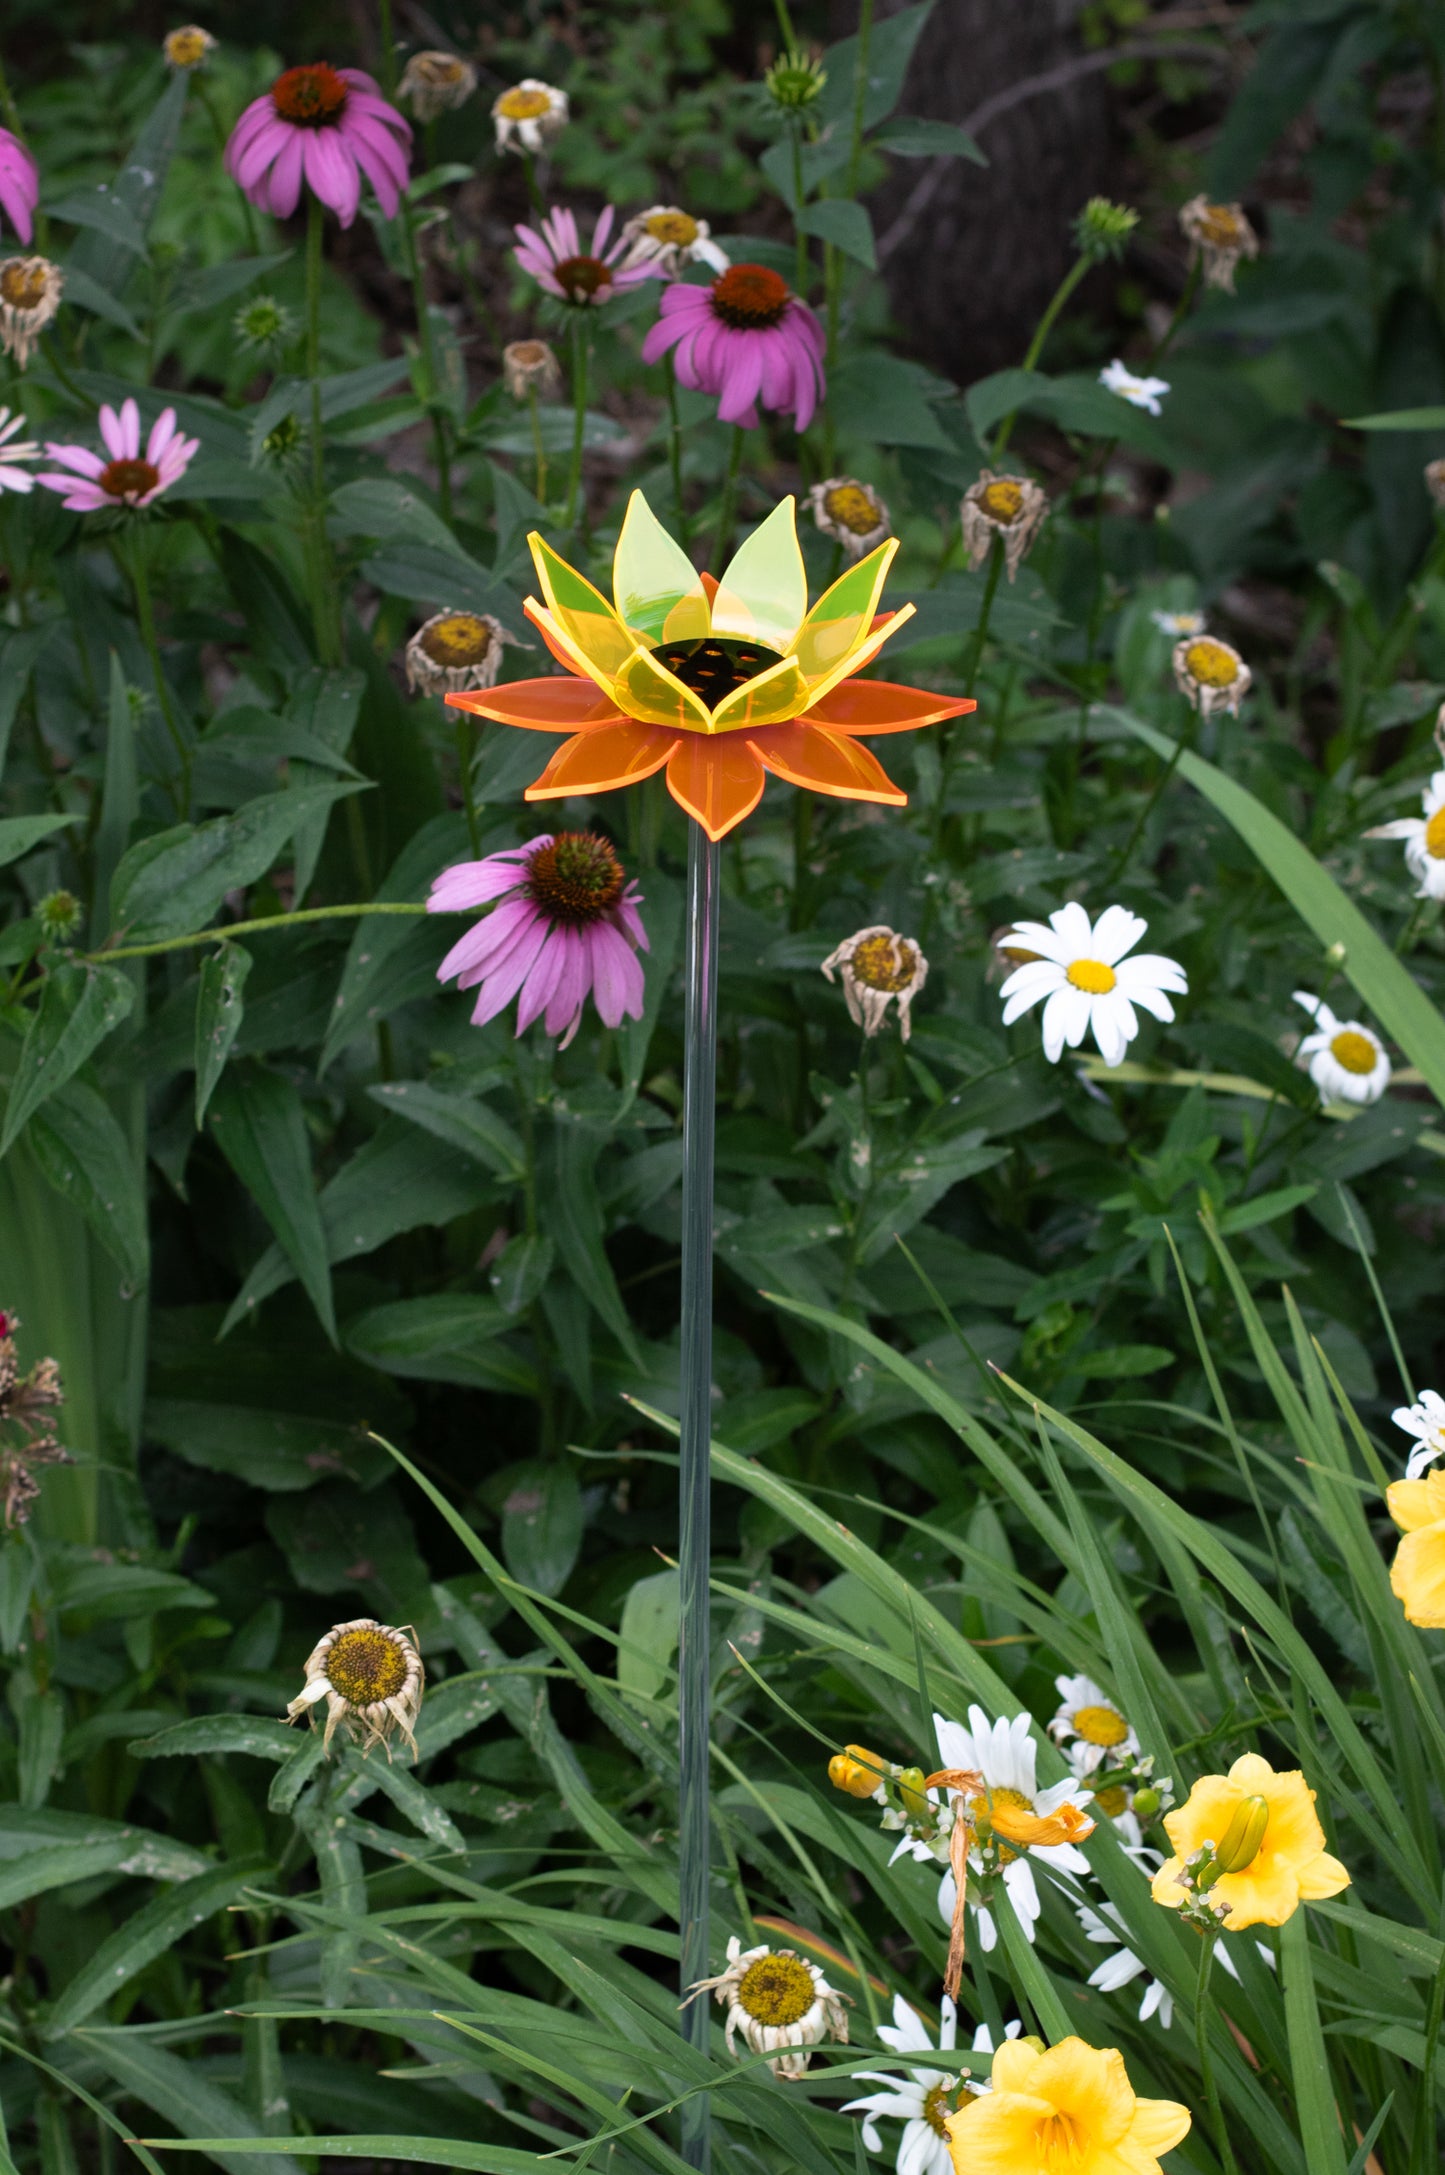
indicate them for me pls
(553, 705)
(718, 780)
(709, 582)
(600, 760)
(808, 755)
(883, 706)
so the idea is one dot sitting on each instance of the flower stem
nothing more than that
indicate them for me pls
(1206, 2060)
(140, 584)
(464, 765)
(1182, 307)
(985, 613)
(388, 48)
(674, 448)
(258, 927)
(324, 616)
(428, 355)
(722, 544)
(539, 451)
(802, 269)
(1042, 330)
(1184, 741)
(694, 1447)
(579, 420)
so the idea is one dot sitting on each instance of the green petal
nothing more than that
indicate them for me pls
(582, 612)
(651, 574)
(763, 593)
(840, 620)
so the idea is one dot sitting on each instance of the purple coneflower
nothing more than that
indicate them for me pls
(129, 477)
(325, 127)
(19, 184)
(748, 339)
(567, 925)
(556, 260)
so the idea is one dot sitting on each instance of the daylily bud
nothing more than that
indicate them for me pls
(1032, 2039)
(857, 1770)
(912, 1795)
(1147, 1803)
(1242, 1838)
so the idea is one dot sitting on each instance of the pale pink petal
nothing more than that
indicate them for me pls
(542, 977)
(502, 987)
(485, 939)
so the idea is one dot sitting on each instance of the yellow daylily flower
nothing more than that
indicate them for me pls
(1290, 1866)
(1069, 2106)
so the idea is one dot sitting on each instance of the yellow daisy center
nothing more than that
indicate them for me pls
(1092, 976)
(365, 1665)
(22, 282)
(188, 48)
(1354, 1051)
(942, 2101)
(1211, 664)
(460, 638)
(1112, 1802)
(777, 1989)
(1220, 225)
(677, 228)
(1100, 1725)
(522, 105)
(883, 962)
(1002, 500)
(1434, 829)
(850, 506)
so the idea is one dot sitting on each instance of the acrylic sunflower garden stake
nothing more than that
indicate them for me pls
(717, 682)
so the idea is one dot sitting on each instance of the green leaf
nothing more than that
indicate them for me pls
(82, 1151)
(291, 1778)
(890, 48)
(183, 2095)
(120, 800)
(248, 1733)
(450, 1337)
(649, 1628)
(520, 1271)
(18, 652)
(107, 256)
(1384, 983)
(158, 1926)
(1264, 1208)
(19, 833)
(56, 1867)
(915, 139)
(542, 1525)
(574, 1217)
(104, 213)
(387, 952)
(220, 1008)
(174, 883)
(1314, 2092)
(258, 1120)
(464, 1122)
(79, 1006)
(846, 225)
(384, 506)
(1400, 419)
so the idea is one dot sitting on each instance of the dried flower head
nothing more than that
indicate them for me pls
(27, 1431)
(433, 83)
(1012, 508)
(793, 82)
(781, 2004)
(851, 513)
(670, 238)
(187, 48)
(1211, 674)
(878, 966)
(453, 651)
(529, 364)
(1220, 235)
(530, 116)
(372, 1680)
(30, 290)
(1435, 483)
(1102, 229)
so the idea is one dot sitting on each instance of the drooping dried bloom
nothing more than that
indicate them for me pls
(433, 83)
(14, 452)
(19, 185)
(1013, 508)
(30, 289)
(1220, 235)
(878, 966)
(1435, 482)
(530, 116)
(1211, 674)
(27, 1429)
(780, 2003)
(372, 1680)
(851, 513)
(529, 365)
(553, 254)
(455, 650)
(748, 339)
(129, 477)
(326, 128)
(187, 48)
(671, 239)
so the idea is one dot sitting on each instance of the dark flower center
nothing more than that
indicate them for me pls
(714, 665)
(22, 282)
(128, 479)
(310, 97)
(582, 277)
(750, 298)
(576, 880)
(461, 638)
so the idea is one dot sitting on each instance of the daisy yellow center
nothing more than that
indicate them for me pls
(849, 505)
(581, 277)
(128, 479)
(883, 962)
(1113, 1801)
(576, 879)
(1221, 226)
(1100, 1725)
(1211, 664)
(776, 1990)
(310, 97)
(943, 2100)
(715, 664)
(461, 638)
(187, 48)
(1434, 829)
(1062, 2145)
(522, 105)
(750, 298)
(1002, 500)
(677, 228)
(365, 1665)
(1354, 1051)
(22, 282)
(1092, 976)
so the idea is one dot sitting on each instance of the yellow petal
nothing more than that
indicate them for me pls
(862, 653)
(1014, 2065)
(1417, 1576)
(652, 576)
(566, 647)
(1323, 1876)
(647, 690)
(1414, 1503)
(1159, 2124)
(840, 620)
(771, 698)
(763, 592)
(582, 612)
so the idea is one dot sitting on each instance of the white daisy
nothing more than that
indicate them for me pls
(1080, 967)
(1424, 837)
(922, 2099)
(1089, 1728)
(1124, 1966)
(12, 476)
(1139, 392)
(1347, 1060)
(529, 116)
(781, 2004)
(1426, 1421)
(1179, 625)
(672, 239)
(1003, 1753)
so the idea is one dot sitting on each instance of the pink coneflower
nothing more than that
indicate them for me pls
(325, 127)
(567, 924)
(19, 184)
(129, 477)
(557, 261)
(746, 338)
